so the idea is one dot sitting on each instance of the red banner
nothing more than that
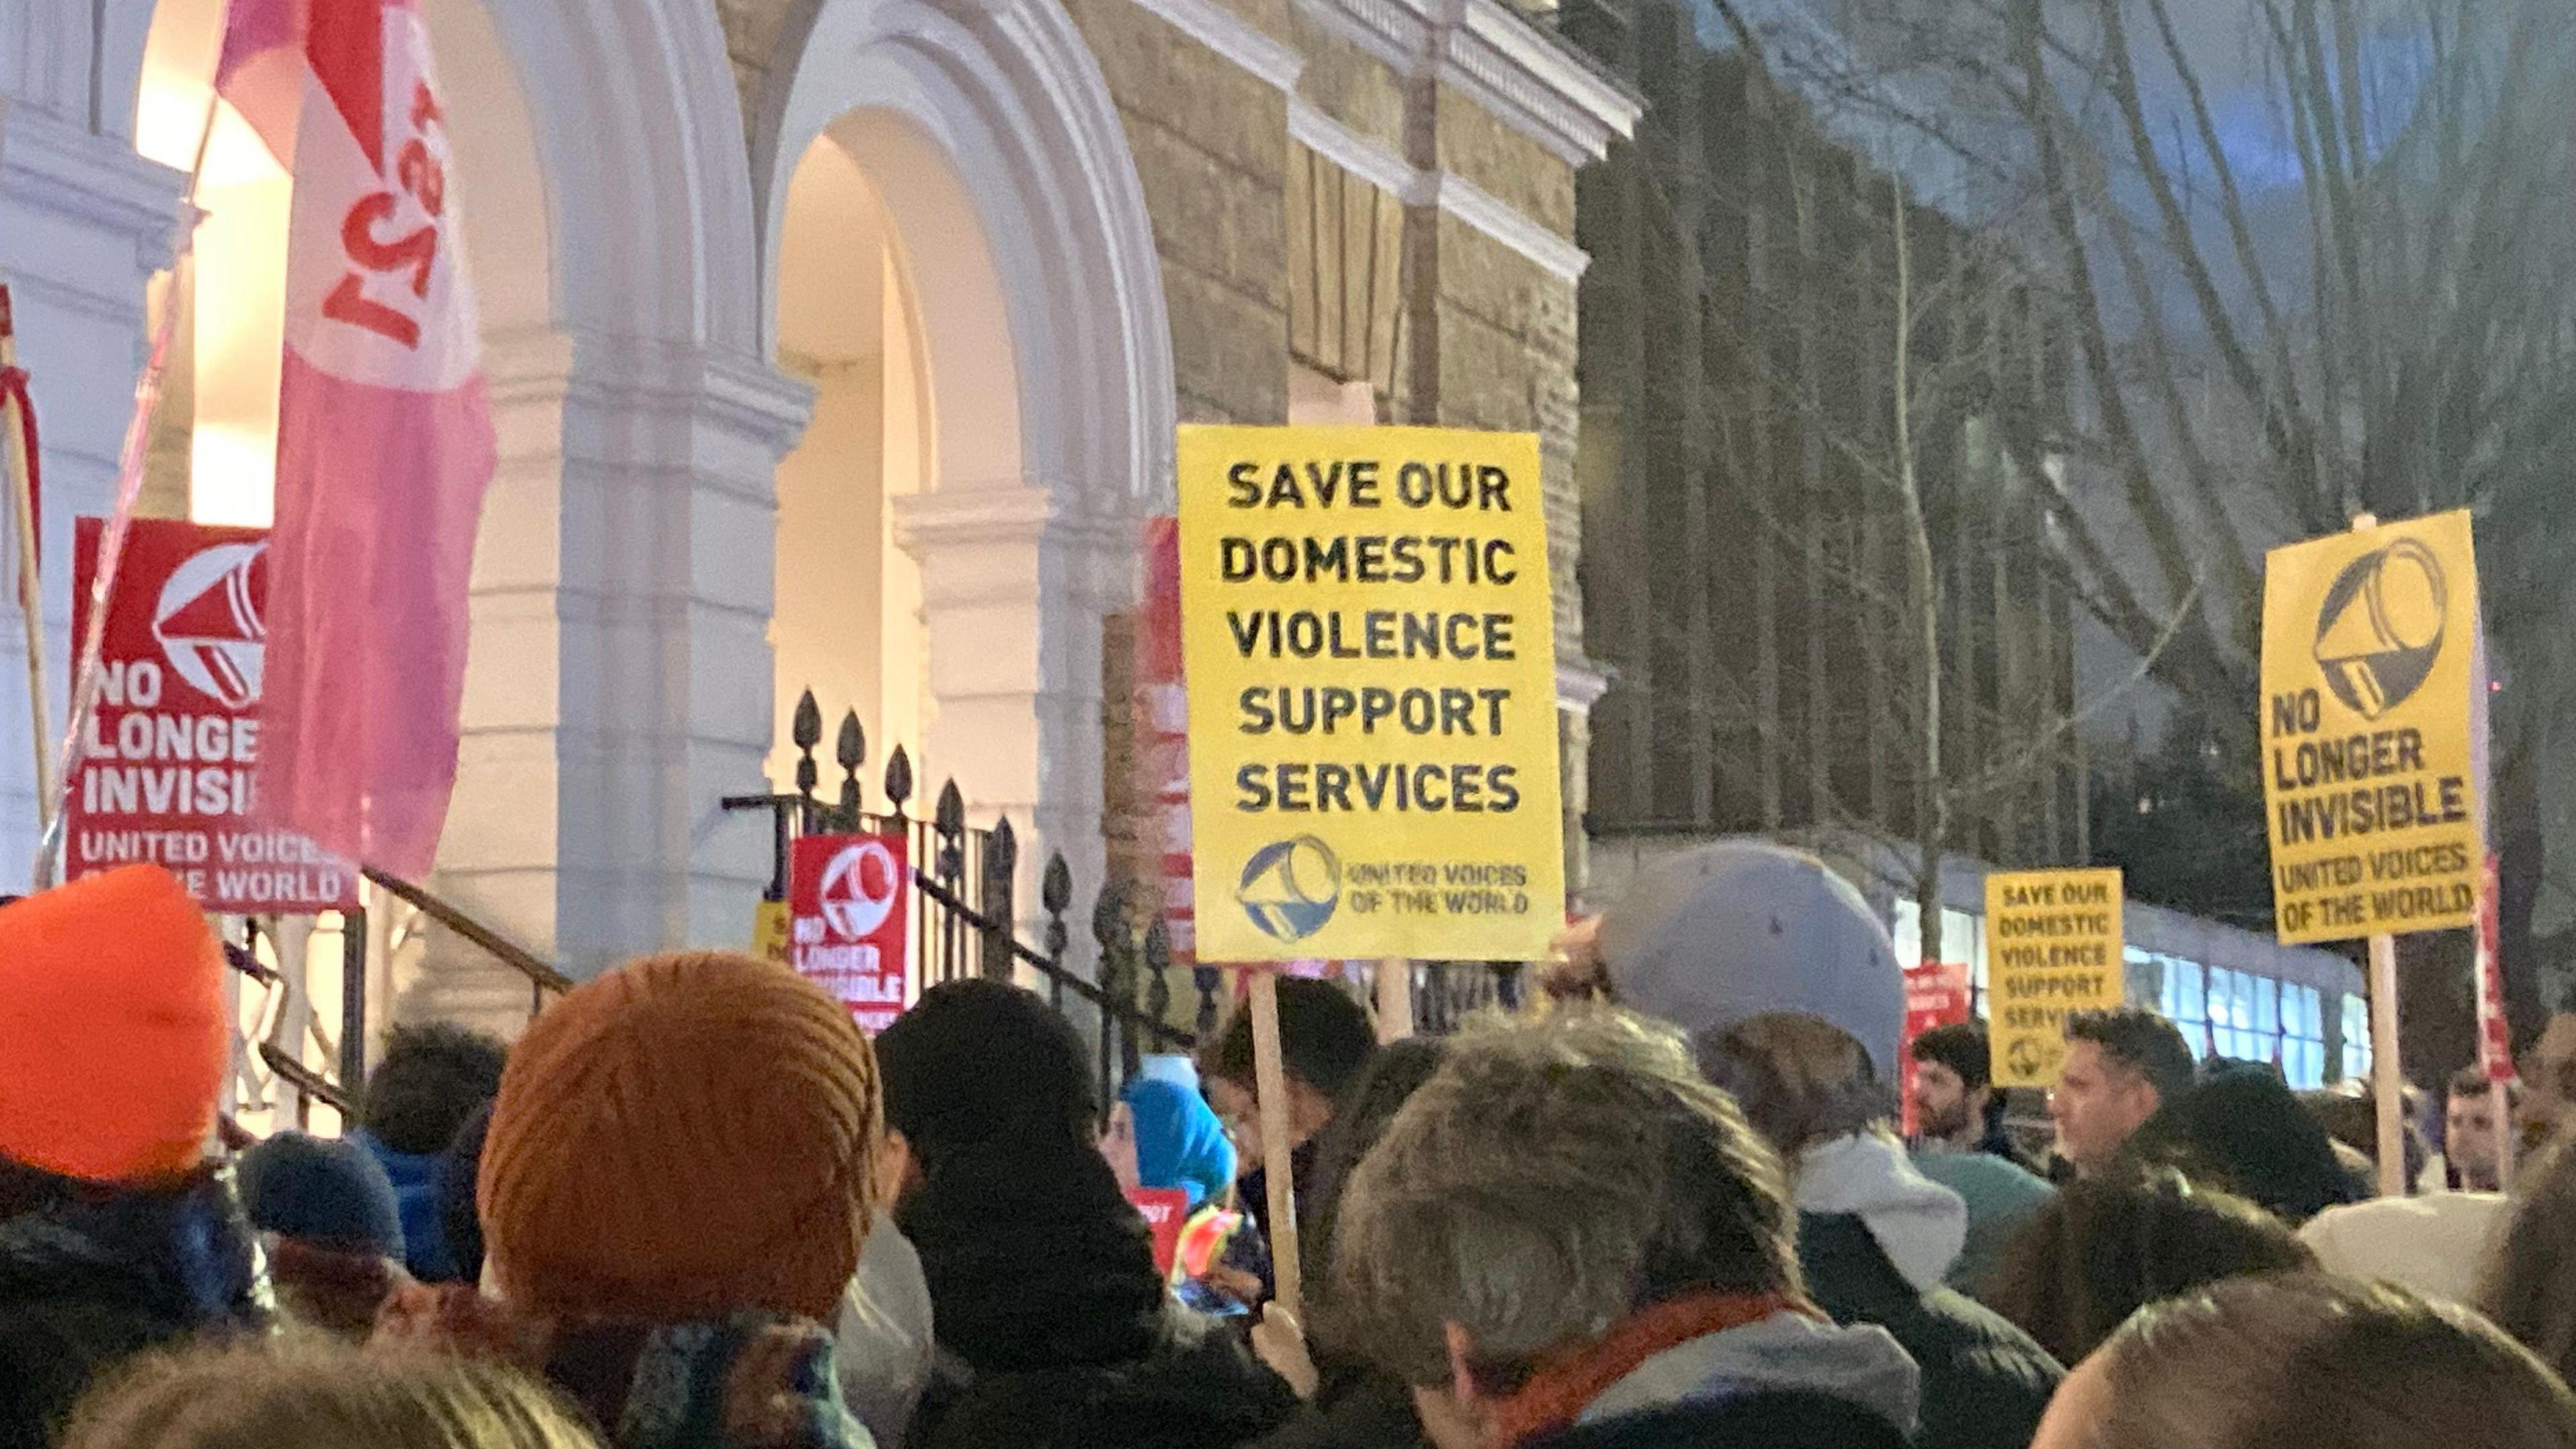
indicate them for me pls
(2495, 1033)
(1935, 996)
(847, 895)
(164, 769)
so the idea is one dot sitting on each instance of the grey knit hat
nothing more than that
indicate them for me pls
(1745, 928)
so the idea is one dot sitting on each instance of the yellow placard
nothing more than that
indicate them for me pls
(1369, 642)
(2371, 702)
(770, 923)
(2053, 946)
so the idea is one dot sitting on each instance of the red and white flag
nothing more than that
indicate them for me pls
(384, 439)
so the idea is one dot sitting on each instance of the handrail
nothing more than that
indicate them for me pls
(1163, 1032)
(509, 953)
(306, 1080)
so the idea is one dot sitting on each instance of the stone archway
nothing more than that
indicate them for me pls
(988, 134)
(622, 578)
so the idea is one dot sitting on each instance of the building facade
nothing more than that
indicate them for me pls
(1761, 473)
(832, 343)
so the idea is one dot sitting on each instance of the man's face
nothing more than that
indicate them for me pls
(1941, 1107)
(2469, 1140)
(2097, 1103)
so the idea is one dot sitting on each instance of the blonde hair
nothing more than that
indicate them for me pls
(311, 1393)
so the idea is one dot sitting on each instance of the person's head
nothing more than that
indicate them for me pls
(458, 1214)
(2471, 1134)
(979, 1061)
(330, 1194)
(2351, 1118)
(433, 1077)
(1375, 1096)
(2309, 1362)
(308, 1395)
(2243, 1129)
(1550, 1180)
(1801, 1080)
(2122, 1066)
(1180, 1143)
(687, 1137)
(1740, 929)
(1325, 1037)
(2549, 1070)
(2528, 1282)
(2107, 1246)
(1954, 1097)
(113, 1032)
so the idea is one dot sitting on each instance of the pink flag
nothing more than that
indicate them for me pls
(384, 429)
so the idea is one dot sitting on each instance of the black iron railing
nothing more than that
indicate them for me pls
(965, 917)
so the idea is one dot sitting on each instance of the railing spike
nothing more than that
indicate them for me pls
(1055, 891)
(807, 730)
(898, 778)
(852, 747)
(1006, 844)
(951, 816)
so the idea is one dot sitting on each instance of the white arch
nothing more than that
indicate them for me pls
(1018, 110)
(991, 135)
(634, 118)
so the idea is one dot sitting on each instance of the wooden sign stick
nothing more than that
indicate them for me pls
(1270, 1083)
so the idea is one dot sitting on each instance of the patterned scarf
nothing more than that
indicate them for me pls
(751, 1381)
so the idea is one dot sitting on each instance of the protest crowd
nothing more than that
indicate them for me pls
(695, 1207)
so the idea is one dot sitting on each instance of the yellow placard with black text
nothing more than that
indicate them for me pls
(2054, 945)
(1369, 646)
(2372, 677)
(769, 932)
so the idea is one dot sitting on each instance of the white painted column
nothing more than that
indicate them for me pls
(1015, 581)
(84, 224)
(619, 683)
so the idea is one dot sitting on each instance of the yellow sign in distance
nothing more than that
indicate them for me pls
(1369, 645)
(770, 923)
(2371, 678)
(2053, 946)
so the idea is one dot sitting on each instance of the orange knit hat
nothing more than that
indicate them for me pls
(688, 1136)
(113, 1043)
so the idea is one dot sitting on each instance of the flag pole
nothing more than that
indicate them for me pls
(17, 447)
(129, 486)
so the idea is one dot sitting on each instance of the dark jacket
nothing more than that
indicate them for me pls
(1053, 1326)
(87, 1284)
(1755, 1421)
(1985, 1382)
(1353, 1411)
(1198, 1388)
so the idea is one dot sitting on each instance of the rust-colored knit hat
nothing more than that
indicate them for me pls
(113, 1043)
(686, 1137)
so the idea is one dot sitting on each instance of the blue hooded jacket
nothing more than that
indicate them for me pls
(1179, 1141)
(417, 1188)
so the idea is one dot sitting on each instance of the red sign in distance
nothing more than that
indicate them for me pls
(165, 765)
(1935, 996)
(846, 897)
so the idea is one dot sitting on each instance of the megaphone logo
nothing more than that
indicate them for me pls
(859, 889)
(1291, 887)
(208, 622)
(2381, 627)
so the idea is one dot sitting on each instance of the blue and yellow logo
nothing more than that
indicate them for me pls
(1291, 887)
